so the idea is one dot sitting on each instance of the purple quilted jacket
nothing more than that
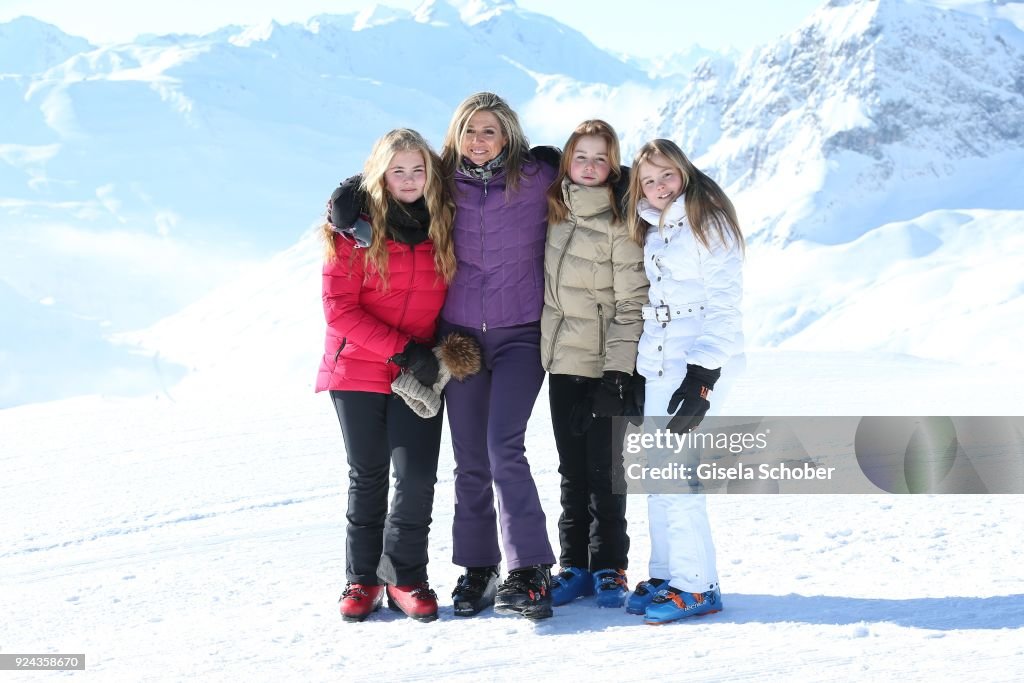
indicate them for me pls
(499, 248)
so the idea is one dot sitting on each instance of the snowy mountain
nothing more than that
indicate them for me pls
(234, 130)
(875, 154)
(29, 46)
(135, 177)
(49, 348)
(942, 284)
(270, 318)
(876, 157)
(871, 111)
(680, 62)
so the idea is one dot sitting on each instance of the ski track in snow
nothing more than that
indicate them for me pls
(205, 538)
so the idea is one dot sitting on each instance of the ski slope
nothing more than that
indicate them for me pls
(199, 534)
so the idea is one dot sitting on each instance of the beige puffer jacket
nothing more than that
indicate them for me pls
(594, 287)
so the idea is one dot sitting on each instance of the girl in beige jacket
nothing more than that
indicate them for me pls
(594, 288)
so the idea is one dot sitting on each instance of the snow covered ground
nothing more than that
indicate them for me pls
(200, 534)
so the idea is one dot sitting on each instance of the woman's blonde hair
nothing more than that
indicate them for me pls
(516, 148)
(557, 209)
(435, 195)
(708, 209)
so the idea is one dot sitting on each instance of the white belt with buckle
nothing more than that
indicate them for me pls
(665, 313)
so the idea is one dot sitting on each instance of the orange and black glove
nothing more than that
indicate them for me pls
(693, 395)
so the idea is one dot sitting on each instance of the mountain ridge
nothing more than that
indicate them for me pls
(873, 94)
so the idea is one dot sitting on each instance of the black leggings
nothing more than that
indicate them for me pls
(592, 527)
(380, 430)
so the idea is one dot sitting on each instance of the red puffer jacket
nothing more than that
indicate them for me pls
(366, 324)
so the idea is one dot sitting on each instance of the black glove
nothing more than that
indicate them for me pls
(419, 361)
(693, 394)
(347, 202)
(552, 156)
(634, 408)
(609, 394)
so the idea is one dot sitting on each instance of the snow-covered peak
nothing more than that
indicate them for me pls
(256, 33)
(378, 15)
(1008, 10)
(336, 22)
(868, 103)
(476, 11)
(29, 46)
(438, 13)
(680, 62)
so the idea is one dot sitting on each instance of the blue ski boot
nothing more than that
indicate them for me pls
(610, 587)
(641, 597)
(569, 584)
(671, 604)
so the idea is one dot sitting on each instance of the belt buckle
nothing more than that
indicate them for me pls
(662, 314)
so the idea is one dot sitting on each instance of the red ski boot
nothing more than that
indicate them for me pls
(358, 601)
(417, 601)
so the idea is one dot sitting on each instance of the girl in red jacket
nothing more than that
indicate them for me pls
(389, 259)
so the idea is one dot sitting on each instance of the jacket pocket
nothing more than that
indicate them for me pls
(344, 340)
(600, 331)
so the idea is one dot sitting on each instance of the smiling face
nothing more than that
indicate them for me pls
(484, 138)
(660, 184)
(589, 164)
(406, 176)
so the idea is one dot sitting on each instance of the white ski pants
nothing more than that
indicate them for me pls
(681, 547)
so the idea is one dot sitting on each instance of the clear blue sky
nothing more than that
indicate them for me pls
(639, 27)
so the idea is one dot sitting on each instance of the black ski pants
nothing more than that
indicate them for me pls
(592, 527)
(381, 431)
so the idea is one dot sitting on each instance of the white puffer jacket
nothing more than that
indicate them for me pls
(702, 289)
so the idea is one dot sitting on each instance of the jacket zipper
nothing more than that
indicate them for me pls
(600, 332)
(558, 287)
(483, 270)
(408, 290)
(344, 340)
(412, 281)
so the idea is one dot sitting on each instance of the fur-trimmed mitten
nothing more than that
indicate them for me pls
(458, 357)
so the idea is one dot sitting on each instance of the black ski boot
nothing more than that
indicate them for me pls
(475, 590)
(526, 591)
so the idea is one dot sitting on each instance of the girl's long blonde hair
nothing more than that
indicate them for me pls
(435, 194)
(517, 148)
(708, 210)
(557, 209)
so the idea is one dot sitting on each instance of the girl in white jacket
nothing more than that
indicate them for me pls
(693, 255)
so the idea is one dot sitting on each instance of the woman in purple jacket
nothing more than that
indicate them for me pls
(496, 297)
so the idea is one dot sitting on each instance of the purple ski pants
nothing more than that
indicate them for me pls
(487, 415)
